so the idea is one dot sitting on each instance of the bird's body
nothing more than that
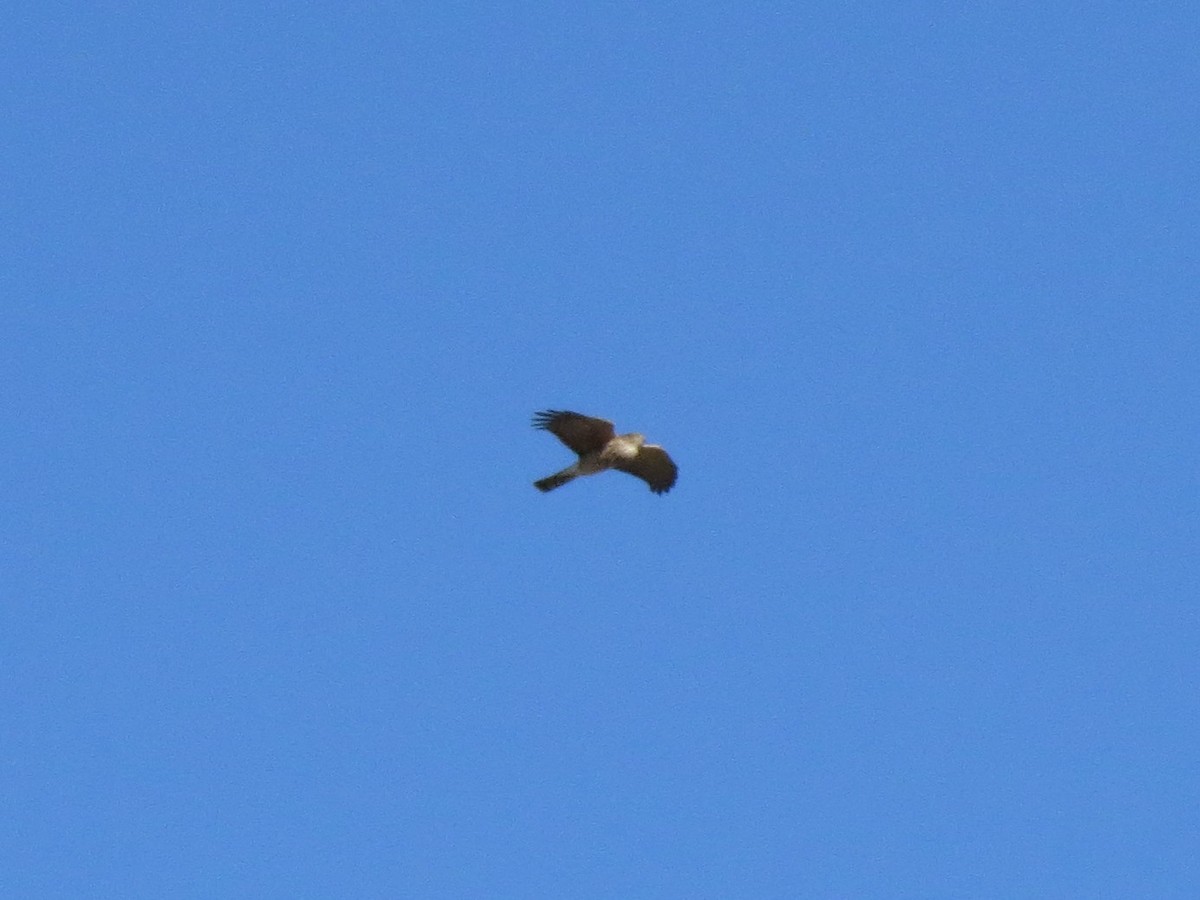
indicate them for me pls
(600, 448)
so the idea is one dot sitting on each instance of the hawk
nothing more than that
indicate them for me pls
(600, 447)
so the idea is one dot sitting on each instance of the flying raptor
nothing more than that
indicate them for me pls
(600, 447)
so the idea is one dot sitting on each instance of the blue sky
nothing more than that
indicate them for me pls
(907, 290)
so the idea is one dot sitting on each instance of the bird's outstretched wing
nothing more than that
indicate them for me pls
(583, 434)
(653, 466)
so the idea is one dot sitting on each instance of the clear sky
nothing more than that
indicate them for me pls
(909, 291)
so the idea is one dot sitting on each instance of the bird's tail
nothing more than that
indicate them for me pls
(558, 479)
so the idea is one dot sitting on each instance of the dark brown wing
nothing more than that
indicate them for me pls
(583, 434)
(653, 466)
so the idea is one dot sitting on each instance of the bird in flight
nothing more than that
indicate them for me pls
(600, 447)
